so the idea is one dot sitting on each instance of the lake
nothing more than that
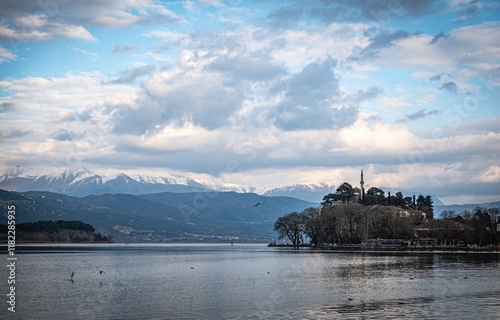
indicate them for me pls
(219, 281)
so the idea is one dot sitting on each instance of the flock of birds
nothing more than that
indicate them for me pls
(72, 274)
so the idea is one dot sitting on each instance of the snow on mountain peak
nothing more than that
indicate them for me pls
(170, 179)
(83, 181)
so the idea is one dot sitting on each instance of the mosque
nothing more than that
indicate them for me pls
(359, 193)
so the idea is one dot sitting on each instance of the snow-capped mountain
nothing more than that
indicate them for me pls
(313, 192)
(82, 182)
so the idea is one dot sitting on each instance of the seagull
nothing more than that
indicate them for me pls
(259, 203)
(17, 165)
(71, 279)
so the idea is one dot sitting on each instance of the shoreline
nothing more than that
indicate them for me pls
(358, 248)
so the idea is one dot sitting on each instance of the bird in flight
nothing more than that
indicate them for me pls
(72, 274)
(259, 203)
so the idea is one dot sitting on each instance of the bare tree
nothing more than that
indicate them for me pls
(311, 218)
(290, 226)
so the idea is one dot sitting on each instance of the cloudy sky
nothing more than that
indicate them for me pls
(257, 92)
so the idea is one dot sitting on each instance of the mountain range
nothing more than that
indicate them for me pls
(167, 208)
(166, 216)
(82, 182)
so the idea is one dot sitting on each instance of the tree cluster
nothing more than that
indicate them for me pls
(347, 224)
(348, 216)
(54, 226)
(345, 193)
(57, 231)
(479, 227)
(353, 222)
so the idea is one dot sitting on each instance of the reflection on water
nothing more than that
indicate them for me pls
(251, 282)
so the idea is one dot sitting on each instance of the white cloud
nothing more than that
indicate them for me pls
(366, 138)
(491, 174)
(94, 56)
(118, 19)
(173, 137)
(164, 35)
(468, 44)
(386, 102)
(299, 48)
(415, 51)
(47, 21)
(6, 55)
(42, 28)
(69, 93)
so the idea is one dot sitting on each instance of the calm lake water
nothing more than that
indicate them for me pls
(249, 282)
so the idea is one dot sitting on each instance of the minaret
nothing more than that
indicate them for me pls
(362, 187)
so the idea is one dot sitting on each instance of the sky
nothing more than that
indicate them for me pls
(258, 93)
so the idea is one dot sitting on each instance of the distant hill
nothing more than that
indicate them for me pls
(209, 216)
(459, 208)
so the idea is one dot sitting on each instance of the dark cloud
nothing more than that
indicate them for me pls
(437, 37)
(310, 100)
(373, 118)
(77, 116)
(7, 107)
(88, 11)
(438, 76)
(363, 95)
(466, 9)
(449, 86)
(129, 76)
(379, 41)
(63, 135)
(420, 114)
(206, 103)
(123, 48)
(468, 189)
(16, 133)
(136, 121)
(284, 17)
(379, 11)
(255, 66)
